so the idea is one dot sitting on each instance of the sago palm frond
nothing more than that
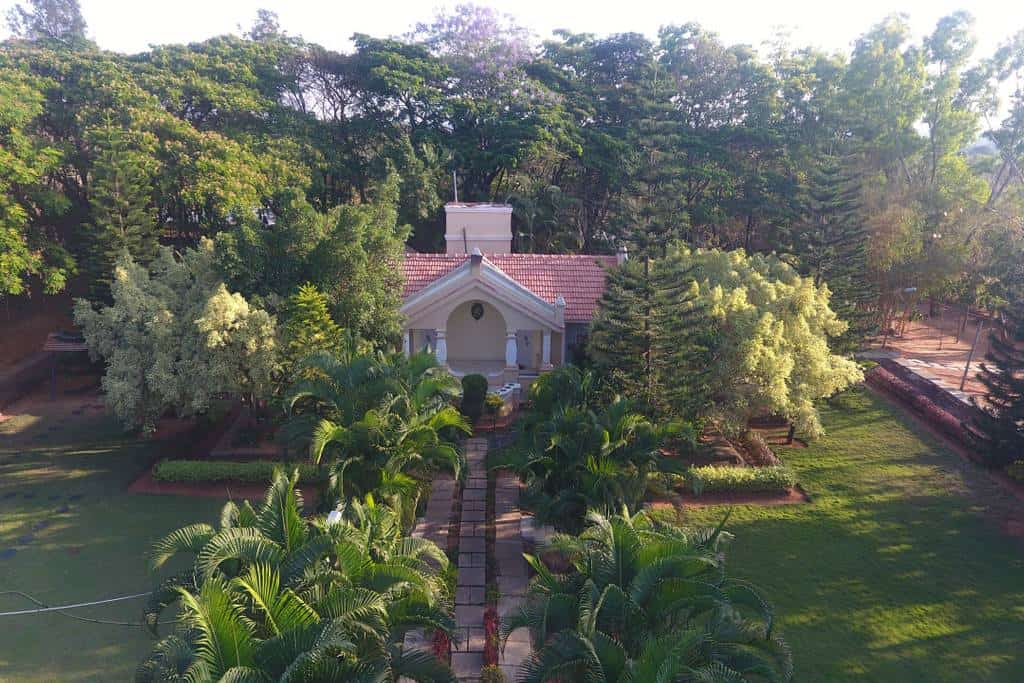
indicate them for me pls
(224, 640)
(325, 434)
(280, 517)
(189, 539)
(235, 515)
(420, 666)
(168, 662)
(246, 546)
(281, 610)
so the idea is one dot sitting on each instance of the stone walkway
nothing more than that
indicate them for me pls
(468, 656)
(471, 588)
(433, 526)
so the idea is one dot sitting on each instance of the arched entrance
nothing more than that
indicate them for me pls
(476, 332)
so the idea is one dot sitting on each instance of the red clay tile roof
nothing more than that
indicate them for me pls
(579, 278)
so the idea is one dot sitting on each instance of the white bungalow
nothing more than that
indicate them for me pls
(485, 310)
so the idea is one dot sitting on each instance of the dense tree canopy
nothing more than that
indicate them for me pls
(595, 139)
(176, 338)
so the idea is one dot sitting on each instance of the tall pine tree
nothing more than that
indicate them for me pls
(649, 337)
(622, 335)
(309, 328)
(833, 246)
(122, 214)
(683, 342)
(1003, 376)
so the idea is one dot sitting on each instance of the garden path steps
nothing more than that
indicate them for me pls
(468, 655)
(511, 568)
(471, 587)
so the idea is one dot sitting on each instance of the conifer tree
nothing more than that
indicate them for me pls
(682, 342)
(622, 334)
(833, 246)
(310, 327)
(1002, 374)
(648, 337)
(122, 215)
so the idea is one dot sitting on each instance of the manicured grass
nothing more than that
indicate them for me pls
(895, 571)
(892, 573)
(94, 549)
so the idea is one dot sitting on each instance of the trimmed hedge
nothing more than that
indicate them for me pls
(719, 479)
(253, 472)
(474, 393)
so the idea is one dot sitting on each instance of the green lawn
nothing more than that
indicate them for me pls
(93, 550)
(895, 571)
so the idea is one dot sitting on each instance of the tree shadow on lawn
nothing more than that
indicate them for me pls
(889, 591)
(77, 535)
(894, 571)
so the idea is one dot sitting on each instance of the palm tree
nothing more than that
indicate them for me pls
(272, 596)
(646, 601)
(391, 450)
(563, 387)
(382, 422)
(346, 386)
(579, 458)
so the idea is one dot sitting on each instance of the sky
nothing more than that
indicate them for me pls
(133, 25)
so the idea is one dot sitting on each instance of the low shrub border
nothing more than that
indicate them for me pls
(940, 418)
(723, 479)
(254, 472)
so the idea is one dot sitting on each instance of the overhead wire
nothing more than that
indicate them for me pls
(43, 608)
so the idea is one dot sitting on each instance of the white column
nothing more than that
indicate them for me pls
(511, 350)
(545, 351)
(440, 347)
(406, 344)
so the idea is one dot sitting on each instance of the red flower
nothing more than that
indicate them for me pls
(491, 637)
(442, 645)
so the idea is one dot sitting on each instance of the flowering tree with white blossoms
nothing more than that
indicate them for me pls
(772, 353)
(175, 338)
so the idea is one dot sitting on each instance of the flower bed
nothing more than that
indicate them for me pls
(725, 479)
(255, 472)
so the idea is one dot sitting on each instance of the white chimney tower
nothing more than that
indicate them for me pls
(483, 226)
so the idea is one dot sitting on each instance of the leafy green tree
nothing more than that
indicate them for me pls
(1002, 423)
(48, 20)
(645, 600)
(771, 350)
(122, 215)
(27, 247)
(274, 596)
(175, 338)
(341, 252)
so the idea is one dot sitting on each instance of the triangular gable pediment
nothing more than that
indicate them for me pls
(481, 280)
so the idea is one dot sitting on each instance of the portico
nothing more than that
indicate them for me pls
(476, 319)
(482, 309)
